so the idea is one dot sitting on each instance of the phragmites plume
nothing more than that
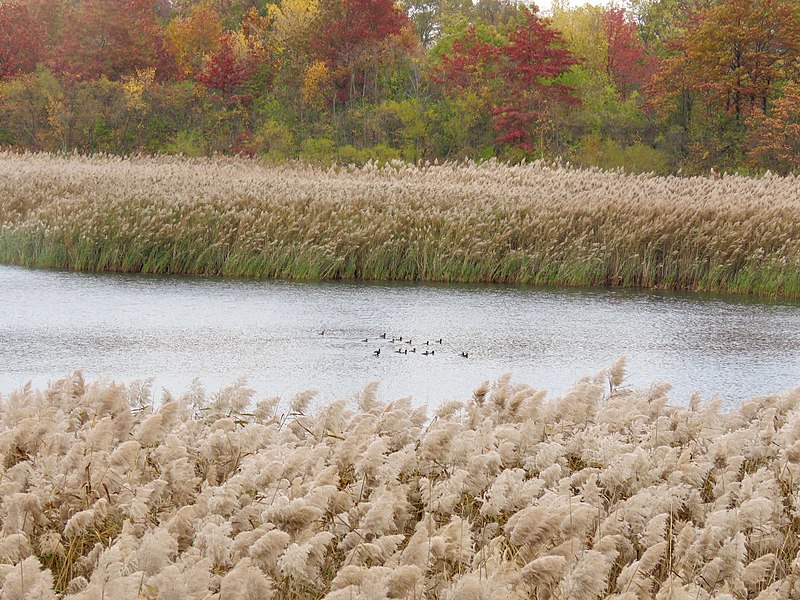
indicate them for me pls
(27, 581)
(489, 222)
(106, 496)
(479, 394)
(616, 375)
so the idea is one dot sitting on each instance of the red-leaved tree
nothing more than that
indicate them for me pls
(350, 25)
(629, 64)
(518, 77)
(354, 35)
(471, 62)
(22, 39)
(532, 62)
(110, 38)
(224, 70)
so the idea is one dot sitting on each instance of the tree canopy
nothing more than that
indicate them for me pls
(656, 85)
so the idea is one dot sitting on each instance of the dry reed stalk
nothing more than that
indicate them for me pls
(503, 496)
(528, 224)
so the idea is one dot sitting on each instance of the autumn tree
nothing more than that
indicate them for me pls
(356, 37)
(433, 19)
(628, 63)
(521, 75)
(661, 22)
(495, 13)
(192, 38)
(584, 35)
(287, 39)
(25, 109)
(583, 31)
(532, 62)
(774, 140)
(226, 69)
(734, 53)
(21, 40)
(110, 38)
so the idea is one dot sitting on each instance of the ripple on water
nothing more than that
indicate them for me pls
(179, 328)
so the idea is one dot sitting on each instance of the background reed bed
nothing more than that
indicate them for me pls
(528, 224)
(504, 495)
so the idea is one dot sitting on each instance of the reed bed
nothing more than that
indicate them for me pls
(534, 223)
(606, 492)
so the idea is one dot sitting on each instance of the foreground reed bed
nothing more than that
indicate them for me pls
(527, 224)
(505, 495)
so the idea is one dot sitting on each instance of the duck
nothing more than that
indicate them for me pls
(399, 350)
(431, 353)
(377, 352)
(413, 350)
(408, 341)
(322, 332)
(365, 340)
(465, 355)
(383, 336)
(439, 341)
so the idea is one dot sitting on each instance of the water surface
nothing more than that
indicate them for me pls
(178, 328)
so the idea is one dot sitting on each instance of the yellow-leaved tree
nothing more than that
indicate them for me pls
(193, 38)
(316, 82)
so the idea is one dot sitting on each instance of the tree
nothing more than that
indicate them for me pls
(471, 62)
(225, 70)
(730, 61)
(497, 13)
(353, 39)
(192, 38)
(434, 18)
(628, 63)
(110, 38)
(735, 53)
(583, 30)
(661, 22)
(287, 39)
(534, 59)
(774, 140)
(21, 40)
(293, 24)
(519, 77)
(24, 108)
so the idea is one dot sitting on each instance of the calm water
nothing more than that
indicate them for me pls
(176, 329)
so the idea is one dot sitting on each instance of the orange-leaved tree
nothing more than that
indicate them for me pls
(733, 54)
(774, 139)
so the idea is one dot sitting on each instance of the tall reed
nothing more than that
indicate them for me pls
(528, 224)
(504, 495)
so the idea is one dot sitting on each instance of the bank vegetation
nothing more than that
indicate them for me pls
(533, 223)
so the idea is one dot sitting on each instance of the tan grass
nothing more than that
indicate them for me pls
(502, 496)
(529, 224)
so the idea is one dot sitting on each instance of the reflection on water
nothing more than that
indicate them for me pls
(178, 328)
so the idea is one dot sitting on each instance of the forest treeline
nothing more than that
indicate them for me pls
(652, 85)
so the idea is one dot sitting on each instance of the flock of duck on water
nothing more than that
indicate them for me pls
(428, 351)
